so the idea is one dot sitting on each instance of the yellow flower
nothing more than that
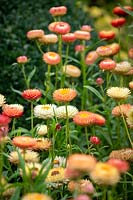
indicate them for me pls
(36, 196)
(56, 175)
(118, 93)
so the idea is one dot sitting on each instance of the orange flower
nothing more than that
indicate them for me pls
(58, 11)
(84, 118)
(91, 57)
(23, 141)
(107, 64)
(122, 109)
(13, 110)
(22, 59)
(107, 35)
(99, 119)
(82, 35)
(35, 34)
(31, 94)
(64, 95)
(81, 162)
(51, 58)
(36, 196)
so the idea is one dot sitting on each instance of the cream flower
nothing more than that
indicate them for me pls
(72, 71)
(44, 111)
(122, 154)
(2, 100)
(60, 112)
(59, 161)
(105, 174)
(28, 156)
(32, 169)
(118, 93)
(42, 129)
(130, 118)
(122, 67)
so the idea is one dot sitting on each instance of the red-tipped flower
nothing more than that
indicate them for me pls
(51, 58)
(22, 59)
(95, 140)
(118, 22)
(107, 35)
(121, 12)
(107, 64)
(31, 94)
(58, 11)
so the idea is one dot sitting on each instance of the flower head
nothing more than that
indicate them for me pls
(36, 196)
(87, 28)
(69, 37)
(95, 140)
(105, 174)
(22, 59)
(79, 48)
(130, 53)
(84, 118)
(107, 64)
(120, 12)
(118, 93)
(121, 165)
(131, 85)
(59, 161)
(31, 94)
(122, 154)
(99, 119)
(107, 35)
(130, 117)
(51, 58)
(64, 94)
(23, 142)
(42, 129)
(2, 100)
(82, 35)
(49, 39)
(35, 34)
(59, 27)
(41, 144)
(99, 81)
(122, 67)
(114, 47)
(61, 112)
(58, 11)
(56, 175)
(82, 197)
(72, 71)
(117, 111)
(4, 120)
(104, 51)
(13, 110)
(118, 22)
(91, 57)
(44, 111)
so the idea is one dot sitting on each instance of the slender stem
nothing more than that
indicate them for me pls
(66, 58)
(121, 81)
(125, 187)
(56, 76)
(68, 138)
(32, 123)
(86, 134)
(104, 197)
(127, 132)
(13, 124)
(24, 74)
(39, 47)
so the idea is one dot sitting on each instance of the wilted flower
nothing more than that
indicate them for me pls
(51, 58)
(118, 93)
(121, 110)
(2, 100)
(44, 111)
(107, 64)
(31, 94)
(122, 67)
(69, 37)
(23, 142)
(131, 85)
(61, 112)
(49, 39)
(130, 117)
(22, 59)
(72, 71)
(82, 35)
(118, 22)
(105, 174)
(41, 144)
(13, 110)
(58, 11)
(56, 174)
(91, 57)
(121, 165)
(107, 35)
(64, 94)
(123, 154)
(35, 34)
(42, 129)
(28, 156)
(35, 196)
(84, 118)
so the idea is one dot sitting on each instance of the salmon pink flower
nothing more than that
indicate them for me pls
(131, 85)
(107, 64)
(120, 12)
(84, 118)
(13, 110)
(3, 131)
(60, 27)
(69, 37)
(118, 22)
(99, 81)
(64, 94)
(104, 51)
(58, 11)
(35, 34)
(91, 57)
(107, 35)
(72, 71)
(95, 140)
(82, 197)
(121, 165)
(87, 28)
(82, 35)
(22, 59)
(99, 120)
(123, 109)
(79, 48)
(4, 120)
(51, 58)
(23, 141)
(31, 94)
(49, 39)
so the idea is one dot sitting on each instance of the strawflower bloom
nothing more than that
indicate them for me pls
(42, 129)
(60, 112)
(31, 169)
(122, 67)
(68, 38)
(131, 85)
(107, 35)
(51, 58)
(99, 119)
(82, 197)
(118, 93)
(99, 81)
(44, 111)
(36, 196)
(72, 71)
(56, 174)
(2, 100)
(130, 72)
(121, 165)
(95, 140)
(28, 156)
(4, 120)
(35, 34)
(82, 35)
(115, 47)
(58, 11)
(122, 154)
(74, 162)
(49, 39)
(118, 22)
(104, 51)
(91, 57)
(13, 110)
(41, 144)
(22, 59)
(120, 12)
(107, 64)
(23, 142)
(130, 118)
(59, 161)
(31, 94)
(79, 48)
(87, 28)
(117, 111)
(64, 94)
(105, 174)
(60, 27)
(84, 118)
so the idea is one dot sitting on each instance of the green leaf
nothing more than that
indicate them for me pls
(16, 91)
(72, 59)
(16, 195)
(31, 75)
(92, 89)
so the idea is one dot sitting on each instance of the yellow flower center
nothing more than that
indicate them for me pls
(84, 115)
(46, 107)
(52, 55)
(64, 91)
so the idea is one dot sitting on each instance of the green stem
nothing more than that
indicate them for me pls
(104, 196)
(86, 134)
(13, 124)
(64, 74)
(24, 74)
(68, 138)
(125, 187)
(32, 124)
(39, 47)
(121, 81)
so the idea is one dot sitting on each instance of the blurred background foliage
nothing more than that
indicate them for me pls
(17, 17)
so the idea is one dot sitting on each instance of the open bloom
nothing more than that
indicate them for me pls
(23, 142)
(58, 11)
(107, 35)
(130, 117)
(82, 35)
(56, 174)
(61, 112)
(60, 27)
(122, 67)
(118, 93)
(31, 94)
(91, 57)
(64, 94)
(104, 51)
(22, 59)
(121, 110)
(105, 174)
(72, 71)
(2, 100)
(118, 22)
(123, 154)
(41, 144)
(51, 58)
(13, 110)
(107, 64)
(36, 196)
(44, 111)
(84, 118)
(35, 34)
